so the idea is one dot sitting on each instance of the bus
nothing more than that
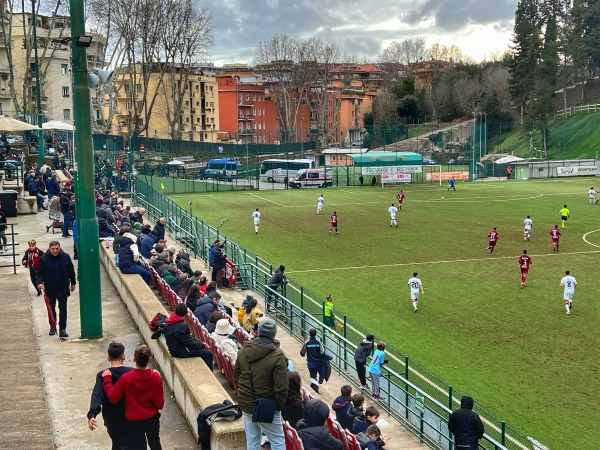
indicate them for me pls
(281, 170)
(220, 169)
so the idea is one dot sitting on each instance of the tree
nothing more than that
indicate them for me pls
(409, 107)
(398, 58)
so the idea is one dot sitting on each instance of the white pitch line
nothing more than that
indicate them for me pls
(588, 242)
(331, 269)
(267, 200)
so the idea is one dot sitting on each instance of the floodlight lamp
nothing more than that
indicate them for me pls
(83, 41)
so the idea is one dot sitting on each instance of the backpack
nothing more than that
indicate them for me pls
(157, 325)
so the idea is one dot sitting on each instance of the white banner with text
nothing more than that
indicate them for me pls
(577, 171)
(396, 178)
(391, 170)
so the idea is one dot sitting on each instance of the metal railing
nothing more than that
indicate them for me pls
(10, 247)
(254, 273)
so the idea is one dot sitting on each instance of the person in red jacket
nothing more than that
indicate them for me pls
(31, 259)
(144, 397)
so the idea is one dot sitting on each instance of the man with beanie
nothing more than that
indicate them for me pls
(261, 361)
(466, 425)
(312, 429)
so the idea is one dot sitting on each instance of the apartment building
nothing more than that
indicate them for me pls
(54, 65)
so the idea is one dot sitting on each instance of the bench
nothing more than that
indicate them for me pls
(27, 205)
(194, 385)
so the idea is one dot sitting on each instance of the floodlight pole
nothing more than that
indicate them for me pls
(87, 223)
(473, 148)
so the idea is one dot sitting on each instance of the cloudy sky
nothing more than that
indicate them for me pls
(361, 27)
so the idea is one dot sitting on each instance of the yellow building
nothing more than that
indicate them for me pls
(199, 118)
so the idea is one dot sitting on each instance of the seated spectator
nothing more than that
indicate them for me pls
(312, 430)
(371, 439)
(138, 216)
(356, 410)
(211, 325)
(136, 229)
(178, 282)
(196, 276)
(184, 290)
(159, 262)
(193, 297)
(146, 230)
(223, 339)
(117, 240)
(172, 250)
(183, 263)
(169, 275)
(293, 410)
(361, 423)
(251, 319)
(33, 188)
(180, 341)
(211, 287)
(220, 303)
(204, 308)
(129, 256)
(202, 284)
(341, 405)
(148, 243)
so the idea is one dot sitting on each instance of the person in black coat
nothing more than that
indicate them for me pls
(312, 430)
(179, 340)
(55, 274)
(360, 359)
(466, 425)
(204, 308)
(276, 282)
(32, 187)
(160, 228)
(113, 414)
(218, 263)
(65, 201)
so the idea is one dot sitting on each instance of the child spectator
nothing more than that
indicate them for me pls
(31, 259)
(356, 410)
(370, 417)
(360, 358)
(251, 319)
(371, 439)
(293, 410)
(341, 405)
(202, 284)
(196, 276)
(312, 430)
(375, 368)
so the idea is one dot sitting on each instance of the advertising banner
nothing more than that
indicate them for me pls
(457, 175)
(577, 171)
(396, 178)
(391, 170)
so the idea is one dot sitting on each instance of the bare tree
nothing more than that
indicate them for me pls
(399, 58)
(467, 95)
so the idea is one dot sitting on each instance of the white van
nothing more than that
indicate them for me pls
(311, 177)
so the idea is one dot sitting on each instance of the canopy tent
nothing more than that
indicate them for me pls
(509, 159)
(57, 125)
(175, 162)
(380, 159)
(7, 123)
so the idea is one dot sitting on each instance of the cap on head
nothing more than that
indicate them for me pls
(267, 328)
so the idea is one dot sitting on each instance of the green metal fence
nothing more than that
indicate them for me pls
(409, 386)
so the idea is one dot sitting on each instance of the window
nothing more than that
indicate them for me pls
(63, 69)
(254, 97)
(210, 88)
(264, 112)
(65, 91)
(67, 114)
(254, 111)
(247, 97)
(259, 111)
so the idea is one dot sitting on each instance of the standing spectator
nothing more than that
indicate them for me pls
(313, 349)
(276, 282)
(31, 259)
(138, 216)
(218, 263)
(3, 241)
(180, 341)
(261, 372)
(375, 368)
(360, 358)
(466, 425)
(227, 345)
(129, 256)
(508, 172)
(55, 275)
(113, 415)
(312, 430)
(53, 186)
(143, 391)
(65, 200)
(213, 248)
(341, 405)
(293, 410)
(160, 228)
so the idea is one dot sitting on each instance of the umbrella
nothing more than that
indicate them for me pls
(51, 319)
(57, 125)
(7, 123)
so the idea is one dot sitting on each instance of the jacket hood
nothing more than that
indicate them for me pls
(174, 318)
(137, 226)
(466, 402)
(258, 348)
(142, 374)
(315, 413)
(340, 403)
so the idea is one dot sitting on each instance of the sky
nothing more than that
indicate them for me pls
(363, 28)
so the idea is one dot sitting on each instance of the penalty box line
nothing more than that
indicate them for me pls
(332, 269)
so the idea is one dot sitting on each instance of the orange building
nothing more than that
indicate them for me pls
(427, 72)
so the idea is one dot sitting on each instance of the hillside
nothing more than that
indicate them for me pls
(575, 137)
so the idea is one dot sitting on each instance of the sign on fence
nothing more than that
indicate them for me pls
(396, 178)
(391, 170)
(457, 175)
(577, 171)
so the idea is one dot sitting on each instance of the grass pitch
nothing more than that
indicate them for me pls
(514, 350)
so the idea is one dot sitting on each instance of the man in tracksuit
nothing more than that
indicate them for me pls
(313, 349)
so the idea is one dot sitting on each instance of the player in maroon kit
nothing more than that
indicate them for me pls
(555, 234)
(493, 237)
(334, 222)
(400, 198)
(524, 263)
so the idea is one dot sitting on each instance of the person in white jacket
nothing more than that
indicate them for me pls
(227, 345)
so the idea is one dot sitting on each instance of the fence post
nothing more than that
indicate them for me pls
(406, 384)
(303, 323)
(450, 397)
(503, 432)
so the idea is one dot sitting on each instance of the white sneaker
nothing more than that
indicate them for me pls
(568, 312)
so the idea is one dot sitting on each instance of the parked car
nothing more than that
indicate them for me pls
(428, 161)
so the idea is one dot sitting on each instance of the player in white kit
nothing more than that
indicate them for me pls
(416, 287)
(393, 210)
(256, 218)
(320, 203)
(569, 283)
(592, 195)
(527, 223)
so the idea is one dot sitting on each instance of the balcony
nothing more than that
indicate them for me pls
(242, 118)
(246, 132)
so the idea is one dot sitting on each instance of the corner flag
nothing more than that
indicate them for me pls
(162, 186)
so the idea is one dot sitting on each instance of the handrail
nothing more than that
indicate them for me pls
(12, 246)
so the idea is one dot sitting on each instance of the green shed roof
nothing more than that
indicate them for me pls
(375, 159)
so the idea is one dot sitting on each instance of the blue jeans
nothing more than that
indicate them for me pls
(135, 269)
(66, 223)
(40, 200)
(273, 431)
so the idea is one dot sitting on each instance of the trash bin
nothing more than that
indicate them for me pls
(8, 203)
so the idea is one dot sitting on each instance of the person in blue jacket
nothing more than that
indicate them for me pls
(148, 243)
(375, 368)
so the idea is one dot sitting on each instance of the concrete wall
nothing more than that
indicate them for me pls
(194, 385)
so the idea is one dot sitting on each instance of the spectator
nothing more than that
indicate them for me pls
(136, 229)
(221, 304)
(117, 240)
(138, 216)
(341, 405)
(361, 423)
(169, 275)
(3, 240)
(178, 282)
(313, 349)
(31, 259)
(218, 262)
(184, 290)
(213, 249)
(275, 282)
(202, 284)
(32, 187)
(129, 256)
(261, 361)
(41, 186)
(375, 368)
(197, 274)
(356, 410)
(144, 397)
(193, 296)
(55, 275)
(183, 264)
(204, 308)
(223, 339)
(53, 187)
(180, 341)
(113, 415)
(371, 439)
(242, 309)
(105, 229)
(466, 425)
(211, 287)
(312, 430)
(148, 243)
(146, 230)
(160, 228)
(293, 410)
(251, 319)
(360, 358)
